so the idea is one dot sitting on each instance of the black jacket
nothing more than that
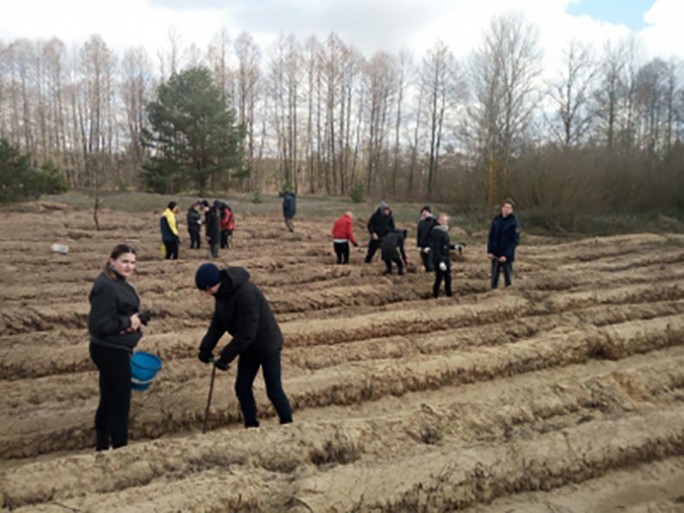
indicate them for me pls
(211, 223)
(504, 235)
(289, 205)
(440, 244)
(242, 311)
(194, 219)
(112, 302)
(379, 224)
(391, 242)
(424, 228)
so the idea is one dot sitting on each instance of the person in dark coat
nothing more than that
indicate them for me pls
(212, 228)
(243, 311)
(440, 245)
(425, 225)
(393, 250)
(504, 236)
(289, 209)
(114, 328)
(194, 219)
(379, 225)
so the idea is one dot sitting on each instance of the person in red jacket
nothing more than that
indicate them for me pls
(342, 236)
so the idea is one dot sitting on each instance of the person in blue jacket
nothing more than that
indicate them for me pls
(504, 235)
(289, 208)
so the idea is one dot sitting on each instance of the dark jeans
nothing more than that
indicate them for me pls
(507, 272)
(247, 369)
(214, 247)
(226, 239)
(195, 239)
(397, 261)
(171, 249)
(289, 224)
(342, 252)
(111, 418)
(427, 261)
(373, 246)
(439, 276)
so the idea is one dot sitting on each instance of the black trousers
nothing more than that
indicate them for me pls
(427, 261)
(507, 268)
(397, 261)
(439, 277)
(214, 247)
(195, 239)
(226, 238)
(247, 369)
(111, 418)
(171, 249)
(373, 246)
(289, 224)
(342, 252)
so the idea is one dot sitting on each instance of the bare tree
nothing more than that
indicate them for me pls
(247, 92)
(503, 74)
(570, 93)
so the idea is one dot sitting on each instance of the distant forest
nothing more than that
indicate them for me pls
(602, 135)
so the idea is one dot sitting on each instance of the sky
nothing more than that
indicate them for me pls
(368, 25)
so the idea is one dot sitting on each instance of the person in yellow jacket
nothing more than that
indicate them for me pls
(169, 230)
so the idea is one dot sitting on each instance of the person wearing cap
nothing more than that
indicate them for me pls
(504, 236)
(114, 326)
(169, 231)
(212, 228)
(393, 250)
(242, 311)
(425, 225)
(379, 225)
(342, 235)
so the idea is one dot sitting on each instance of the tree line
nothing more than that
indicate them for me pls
(601, 134)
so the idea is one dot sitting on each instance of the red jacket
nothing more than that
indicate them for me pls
(342, 229)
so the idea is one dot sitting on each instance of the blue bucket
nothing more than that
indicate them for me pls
(144, 367)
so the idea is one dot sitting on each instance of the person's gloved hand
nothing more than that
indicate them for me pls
(356, 244)
(426, 250)
(442, 267)
(221, 364)
(205, 356)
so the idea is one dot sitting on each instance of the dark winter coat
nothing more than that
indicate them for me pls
(391, 242)
(289, 205)
(243, 311)
(380, 224)
(112, 302)
(504, 236)
(194, 219)
(211, 224)
(440, 244)
(424, 228)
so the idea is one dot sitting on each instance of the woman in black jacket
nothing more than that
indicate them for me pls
(114, 326)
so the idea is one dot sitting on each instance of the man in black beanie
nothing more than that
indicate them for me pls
(243, 312)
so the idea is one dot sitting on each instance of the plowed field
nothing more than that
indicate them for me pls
(563, 393)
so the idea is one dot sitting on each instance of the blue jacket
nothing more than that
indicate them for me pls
(504, 236)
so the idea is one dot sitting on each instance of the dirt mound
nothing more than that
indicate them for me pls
(564, 392)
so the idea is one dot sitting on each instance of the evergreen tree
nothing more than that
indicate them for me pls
(20, 181)
(193, 136)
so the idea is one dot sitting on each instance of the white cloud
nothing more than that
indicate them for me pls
(368, 25)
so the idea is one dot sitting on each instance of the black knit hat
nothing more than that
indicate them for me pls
(207, 276)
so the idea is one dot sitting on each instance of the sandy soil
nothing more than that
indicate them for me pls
(564, 393)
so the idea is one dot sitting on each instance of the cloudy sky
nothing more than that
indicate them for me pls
(369, 25)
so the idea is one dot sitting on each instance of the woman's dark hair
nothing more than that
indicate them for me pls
(171, 205)
(508, 201)
(119, 250)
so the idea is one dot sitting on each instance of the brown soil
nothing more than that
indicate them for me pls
(563, 393)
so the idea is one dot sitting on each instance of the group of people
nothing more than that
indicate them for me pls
(240, 308)
(432, 242)
(218, 221)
